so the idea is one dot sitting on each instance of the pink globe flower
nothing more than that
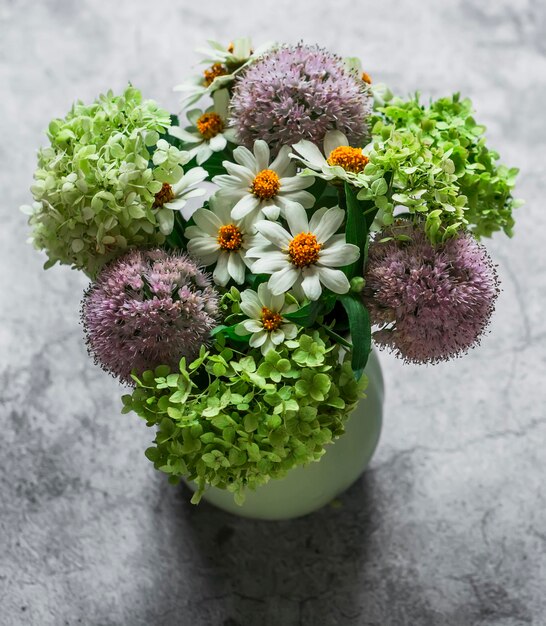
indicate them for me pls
(148, 308)
(431, 303)
(299, 92)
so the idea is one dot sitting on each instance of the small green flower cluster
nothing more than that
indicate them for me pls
(236, 419)
(94, 188)
(437, 164)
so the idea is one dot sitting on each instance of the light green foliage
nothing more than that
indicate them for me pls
(436, 164)
(234, 420)
(95, 187)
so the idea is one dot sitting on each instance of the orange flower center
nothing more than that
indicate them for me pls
(270, 320)
(164, 195)
(209, 125)
(366, 78)
(266, 185)
(230, 238)
(213, 72)
(350, 159)
(304, 250)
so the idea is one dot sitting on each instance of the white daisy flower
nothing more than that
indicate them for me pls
(218, 239)
(208, 132)
(304, 257)
(174, 197)
(224, 62)
(256, 186)
(266, 323)
(341, 160)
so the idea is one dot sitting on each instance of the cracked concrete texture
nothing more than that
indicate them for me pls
(447, 527)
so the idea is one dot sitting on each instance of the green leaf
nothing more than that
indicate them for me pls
(356, 231)
(361, 332)
(307, 314)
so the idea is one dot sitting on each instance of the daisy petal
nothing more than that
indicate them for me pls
(243, 156)
(282, 164)
(253, 326)
(269, 263)
(330, 222)
(246, 205)
(295, 183)
(258, 339)
(207, 221)
(310, 153)
(297, 220)
(334, 280)
(311, 283)
(277, 336)
(280, 282)
(274, 233)
(221, 274)
(332, 140)
(261, 153)
(338, 255)
(236, 268)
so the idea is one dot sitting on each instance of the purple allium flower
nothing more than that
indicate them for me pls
(299, 92)
(431, 302)
(148, 308)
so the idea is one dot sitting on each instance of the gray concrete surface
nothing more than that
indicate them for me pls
(448, 527)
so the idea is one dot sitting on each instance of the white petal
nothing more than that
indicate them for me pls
(277, 336)
(258, 339)
(217, 143)
(240, 172)
(335, 280)
(192, 177)
(203, 154)
(280, 282)
(207, 221)
(252, 303)
(261, 153)
(295, 183)
(338, 255)
(282, 163)
(243, 156)
(194, 115)
(253, 326)
(332, 140)
(304, 198)
(221, 274)
(236, 268)
(246, 205)
(316, 218)
(274, 233)
(231, 182)
(311, 283)
(310, 153)
(297, 220)
(203, 247)
(269, 263)
(271, 209)
(184, 135)
(329, 224)
(289, 330)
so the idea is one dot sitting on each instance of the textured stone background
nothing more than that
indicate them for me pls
(448, 527)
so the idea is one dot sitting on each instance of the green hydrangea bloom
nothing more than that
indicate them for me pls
(95, 186)
(434, 161)
(235, 421)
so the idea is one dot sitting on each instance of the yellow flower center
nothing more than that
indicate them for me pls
(164, 195)
(350, 159)
(213, 72)
(366, 78)
(266, 185)
(209, 125)
(304, 250)
(270, 320)
(231, 47)
(230, 238)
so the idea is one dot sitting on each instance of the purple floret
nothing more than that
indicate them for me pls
(431, 303)
(148, 308)
(299, 92)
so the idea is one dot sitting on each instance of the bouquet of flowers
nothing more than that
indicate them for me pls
(330, 213)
